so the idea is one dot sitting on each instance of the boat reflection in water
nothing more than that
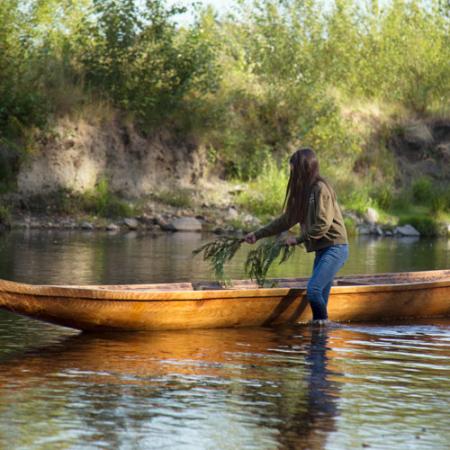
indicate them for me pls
(253, 388)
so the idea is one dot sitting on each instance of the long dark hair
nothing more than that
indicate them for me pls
(304, 174)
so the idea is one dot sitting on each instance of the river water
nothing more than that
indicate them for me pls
(376, 386)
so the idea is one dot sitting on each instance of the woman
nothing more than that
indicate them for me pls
(311, 202)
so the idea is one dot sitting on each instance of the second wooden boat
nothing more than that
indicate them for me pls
(391, 296)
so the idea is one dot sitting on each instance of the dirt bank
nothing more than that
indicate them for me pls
(76, 154)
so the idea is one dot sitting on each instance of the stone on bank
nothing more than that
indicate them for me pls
(186, 224)
(406, 230)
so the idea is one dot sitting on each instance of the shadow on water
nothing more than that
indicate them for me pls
(276, 381)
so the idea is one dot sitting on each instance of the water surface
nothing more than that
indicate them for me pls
(76, 257)
(355, 386)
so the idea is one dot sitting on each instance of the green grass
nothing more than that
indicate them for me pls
(99, 202)
(264, 196)
(350, 226)
(177, 197)
(102, 202)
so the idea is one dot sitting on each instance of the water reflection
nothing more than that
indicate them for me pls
(379, 386)
(291, 387)
(82, 258)
(306, 424)
(274, 384)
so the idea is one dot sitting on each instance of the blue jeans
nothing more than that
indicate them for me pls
(327, 263)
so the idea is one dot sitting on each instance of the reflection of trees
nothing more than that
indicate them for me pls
(372, 255)
(73, 257)
(53, 257)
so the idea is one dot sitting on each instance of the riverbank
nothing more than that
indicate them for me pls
(218, 207)
(88, 134)
(93, 173)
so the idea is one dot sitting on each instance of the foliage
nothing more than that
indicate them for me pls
(136, 56)
(264, 195)
(259, 260)
(427, 193)
(177, 197)
(218, 253)
(440, 199)
(250, 88)
(422, 190)
(383, 196)
(100, 201)
(357, 200)
(351, 226)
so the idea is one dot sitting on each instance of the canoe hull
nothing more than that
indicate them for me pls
(97, 315)
(135, 310)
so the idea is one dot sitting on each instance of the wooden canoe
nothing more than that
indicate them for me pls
(359, 298)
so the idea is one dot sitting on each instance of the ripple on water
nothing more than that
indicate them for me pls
(379, 386)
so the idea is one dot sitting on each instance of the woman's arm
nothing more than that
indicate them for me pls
(277, 226)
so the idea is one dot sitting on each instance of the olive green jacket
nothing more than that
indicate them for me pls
(324, 223)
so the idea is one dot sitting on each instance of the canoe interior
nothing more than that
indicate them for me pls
(350, 280)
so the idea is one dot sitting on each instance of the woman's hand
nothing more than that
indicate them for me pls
(291, 240)
(250, 238)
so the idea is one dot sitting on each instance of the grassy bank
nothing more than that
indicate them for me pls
(367, 87)
(421, 204)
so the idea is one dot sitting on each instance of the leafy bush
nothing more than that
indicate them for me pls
(357, 200)
(423, 190)
(435, 196)
(384, 197)
(351, 226)
(22, 104)
(264, 196)
(101, 201)
(136, 57)
(439, 202)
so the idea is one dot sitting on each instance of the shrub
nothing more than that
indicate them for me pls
(264, 196)
(423, 190)
(384, 197)
(101, 201)
(435, 196)
(357, 200)
(439, 203)
(133, 54)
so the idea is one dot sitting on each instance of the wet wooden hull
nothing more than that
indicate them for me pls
(383, 297)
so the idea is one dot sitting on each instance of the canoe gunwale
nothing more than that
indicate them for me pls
(131, 295)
